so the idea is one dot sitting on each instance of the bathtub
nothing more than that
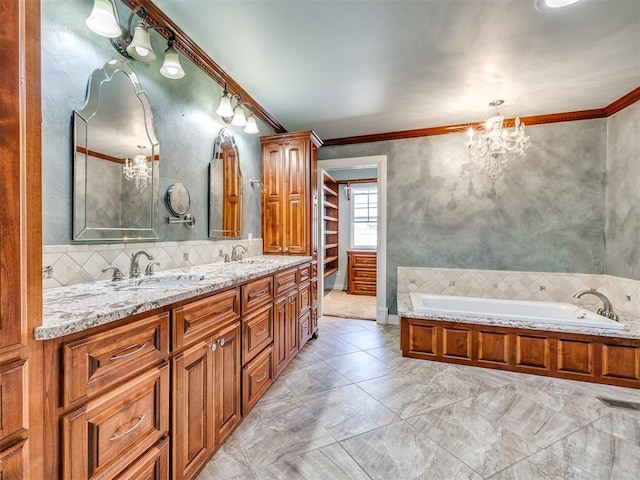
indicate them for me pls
(519, 310)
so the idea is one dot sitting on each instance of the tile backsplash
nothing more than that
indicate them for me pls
(557, 287)
(71, 264)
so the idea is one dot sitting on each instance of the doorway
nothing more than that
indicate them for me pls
(358, 176)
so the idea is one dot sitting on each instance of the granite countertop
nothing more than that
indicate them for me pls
(79, 307)
(632, 324)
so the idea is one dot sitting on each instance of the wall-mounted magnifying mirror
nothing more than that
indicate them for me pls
(115, 160)
(179, 203)
(225, 188)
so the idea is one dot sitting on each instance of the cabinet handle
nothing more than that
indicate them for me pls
(128, 354)
(213, 347)
(116, 436)
(260, 332)
(292, 299)
(221, 342)
(262, 377)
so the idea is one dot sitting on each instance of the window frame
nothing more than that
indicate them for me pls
(370, 188)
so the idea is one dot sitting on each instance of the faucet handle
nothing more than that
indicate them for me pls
(117, 274)
(149, 270)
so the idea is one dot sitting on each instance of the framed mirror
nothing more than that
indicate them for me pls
(225, 188)
(116, 160)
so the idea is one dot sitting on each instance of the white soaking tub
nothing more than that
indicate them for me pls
(518, 310)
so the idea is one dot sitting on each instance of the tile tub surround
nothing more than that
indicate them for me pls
(79, 307)
(543, 286)
(81, 263)
(425, 420)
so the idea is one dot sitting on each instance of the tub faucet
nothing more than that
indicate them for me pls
(134, 269)
(607, 308)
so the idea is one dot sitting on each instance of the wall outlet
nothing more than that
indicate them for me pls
(452, 283)
(542, 288)
(185, 256)
(628, 298)
(412, 280)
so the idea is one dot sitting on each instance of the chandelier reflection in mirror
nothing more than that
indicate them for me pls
(496, 143)
(138, 171)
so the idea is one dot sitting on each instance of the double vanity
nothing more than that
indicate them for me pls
(144, 370)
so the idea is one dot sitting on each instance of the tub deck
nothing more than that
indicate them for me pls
(570, 352)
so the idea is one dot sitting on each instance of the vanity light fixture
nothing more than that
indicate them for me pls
(104, 21)
(496, 142)
(235, 114)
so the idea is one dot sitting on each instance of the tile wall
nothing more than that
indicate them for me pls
(71, 264)
(543, 286)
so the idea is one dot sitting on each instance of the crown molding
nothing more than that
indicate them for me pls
(194, 53)
(607, 111)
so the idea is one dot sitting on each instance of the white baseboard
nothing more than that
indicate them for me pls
(393, 320)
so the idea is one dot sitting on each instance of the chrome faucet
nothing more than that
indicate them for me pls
(238, 256)
(607, 308)
(134, 269)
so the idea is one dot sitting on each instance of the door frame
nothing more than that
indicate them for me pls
(380, 162)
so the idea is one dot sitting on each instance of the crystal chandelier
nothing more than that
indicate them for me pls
(495, 143)
(137, 171)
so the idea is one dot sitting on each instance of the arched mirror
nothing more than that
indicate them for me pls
(225, 188)
(116, 160)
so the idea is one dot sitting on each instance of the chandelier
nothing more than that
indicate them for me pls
(496, 143)
(137, 171)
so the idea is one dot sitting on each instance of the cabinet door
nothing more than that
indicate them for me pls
(193, 401)
(297, 217)
(280, 336)
(273, 174)
(227, 381)
(13, 412)
(291, 327)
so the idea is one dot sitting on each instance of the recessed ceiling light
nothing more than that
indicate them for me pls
(559, 3)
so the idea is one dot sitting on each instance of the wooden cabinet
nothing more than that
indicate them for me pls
(361, 275)
(13, 461)
(206, 381)
(286, 331)
(575, 356)
(289, 206)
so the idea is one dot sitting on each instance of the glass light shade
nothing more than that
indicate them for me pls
(239, 120)
(252, 126)
(224, 109)
(140, 47)
(102, 19)
(559, 3)
(171, 67)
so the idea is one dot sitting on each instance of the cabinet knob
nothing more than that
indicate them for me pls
(221, 342)
(213, 347)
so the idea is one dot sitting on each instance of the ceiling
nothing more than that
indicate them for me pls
(358, 67)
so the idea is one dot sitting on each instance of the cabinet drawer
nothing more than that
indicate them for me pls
(360, 288)
(364, 260)
(103, 437)
(153, 465)
(284, 282)
(202, 317)
(13, 461)
(99, 361)
(256, 294)
(13, 421)
(364, 274)
(304, 298)
(304, 273)
(257, 333)
(256, 379)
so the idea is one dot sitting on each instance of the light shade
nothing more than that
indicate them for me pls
(559, 3)
(171, 67)
(224, 109)
(239, 120)
(251, 126)
(102, 19)
(140, 46)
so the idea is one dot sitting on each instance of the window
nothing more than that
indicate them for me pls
(364, 216)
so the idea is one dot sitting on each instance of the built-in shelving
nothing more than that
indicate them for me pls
(330, 202)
